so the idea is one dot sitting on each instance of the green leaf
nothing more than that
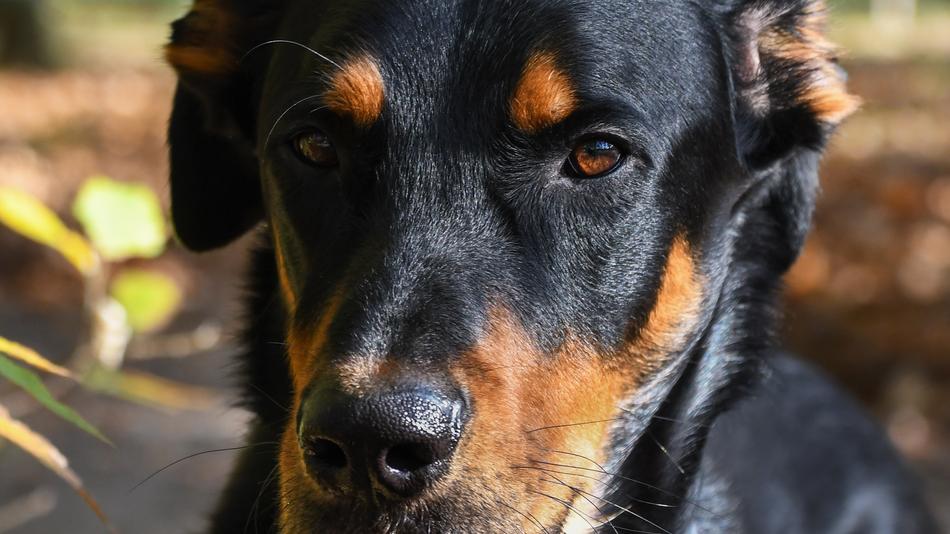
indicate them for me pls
(29, 217)
(31, 383)
(150, 298)
(123, 220)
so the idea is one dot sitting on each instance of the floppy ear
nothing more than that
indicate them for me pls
(215, 183)
(790, 90)
(790, 95)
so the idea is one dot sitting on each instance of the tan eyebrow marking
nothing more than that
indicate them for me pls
(357, 90)
(544, 95)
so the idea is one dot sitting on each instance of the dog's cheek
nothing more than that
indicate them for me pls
(298, 492)
(539, 424)
(307, 340)
(676, 312)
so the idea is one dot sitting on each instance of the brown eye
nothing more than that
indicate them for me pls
(315, 148)
(594, 158)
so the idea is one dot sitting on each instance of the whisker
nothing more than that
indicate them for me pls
(254, 507)
(268, 397)
(576, 455)
(528, 516)
(566, 505)
(631, 480)
(295, 43)
(648, 433)
(627, 510)
(595, 479)
(195, 455)
(550, 427)
(636, 531)
(591, 460)
(667, 453)
(286, 111)
(663, 418)
(590, 502)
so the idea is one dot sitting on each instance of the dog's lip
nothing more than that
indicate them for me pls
(342, 520)
(377, 518)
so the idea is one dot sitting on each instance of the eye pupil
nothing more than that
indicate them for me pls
(315, 147)
(595, 158)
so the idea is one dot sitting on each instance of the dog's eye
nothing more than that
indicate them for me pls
(595, 157)
(315, 148)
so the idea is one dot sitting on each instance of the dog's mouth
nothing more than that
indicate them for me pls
(451, 516)
(543, 493)
(458, 514)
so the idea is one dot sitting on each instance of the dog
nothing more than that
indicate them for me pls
(520, 265)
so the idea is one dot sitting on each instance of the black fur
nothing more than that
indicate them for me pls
(442, 207)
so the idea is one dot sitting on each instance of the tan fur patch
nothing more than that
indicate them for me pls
(676, 310)
(825, 91)
(207, 44)
(297, 492)
(537, 436)
(542, 421)
(306, 345)
(539, 423)
(357, 90)
(544, 95)
(364, 373)
(283, 276)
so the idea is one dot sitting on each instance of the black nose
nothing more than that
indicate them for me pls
(399, 441)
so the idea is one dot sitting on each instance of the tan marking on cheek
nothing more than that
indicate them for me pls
(357, 90)
(544, 96)
(675, 312)
(296, 490)
(541, 422)
(305, 345)
(286, 287)
(532, 410)
(206, 44)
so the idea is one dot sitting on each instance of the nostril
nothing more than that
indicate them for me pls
(410, 457)
(397, 443)
(325, 455)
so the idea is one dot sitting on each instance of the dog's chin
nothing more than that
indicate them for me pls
(455, 517)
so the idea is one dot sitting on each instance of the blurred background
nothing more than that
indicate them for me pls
(84, 99)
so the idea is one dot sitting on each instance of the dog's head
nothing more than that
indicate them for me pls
(496, 224)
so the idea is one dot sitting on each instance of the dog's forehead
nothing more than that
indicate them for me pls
(437, 55)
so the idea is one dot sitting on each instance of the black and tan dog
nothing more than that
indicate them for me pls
(521, 265)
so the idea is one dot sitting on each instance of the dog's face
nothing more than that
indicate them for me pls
(492, 223)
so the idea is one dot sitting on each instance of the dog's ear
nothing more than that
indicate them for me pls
(790, 90)
(790, 95)
(215, 183)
